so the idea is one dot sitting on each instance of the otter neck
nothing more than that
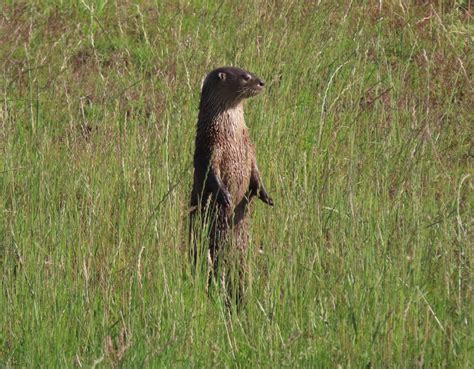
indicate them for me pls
(221, 116)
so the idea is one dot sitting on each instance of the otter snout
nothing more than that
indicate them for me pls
(257, 87)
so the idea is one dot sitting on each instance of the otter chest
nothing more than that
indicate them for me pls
(235, 159)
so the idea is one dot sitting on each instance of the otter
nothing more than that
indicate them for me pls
(226, 176)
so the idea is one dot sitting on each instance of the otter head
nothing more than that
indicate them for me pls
(231, 85)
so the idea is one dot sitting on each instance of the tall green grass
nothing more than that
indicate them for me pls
(364, 141)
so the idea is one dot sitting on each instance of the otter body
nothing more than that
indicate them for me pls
(226, 176)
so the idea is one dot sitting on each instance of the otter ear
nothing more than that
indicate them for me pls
(222, 76)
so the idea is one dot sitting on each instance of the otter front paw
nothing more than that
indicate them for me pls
(263, 195)
(223, 198)
(270, 201)
(267, 200)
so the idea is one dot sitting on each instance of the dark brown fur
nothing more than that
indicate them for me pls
(226, 176)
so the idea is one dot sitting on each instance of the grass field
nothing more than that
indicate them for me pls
(364, 140)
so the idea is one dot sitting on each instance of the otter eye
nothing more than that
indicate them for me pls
(246, 77)
(222, 76)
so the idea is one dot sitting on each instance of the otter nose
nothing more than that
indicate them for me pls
(261, 83)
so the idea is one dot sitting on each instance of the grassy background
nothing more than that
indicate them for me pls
(364, 140)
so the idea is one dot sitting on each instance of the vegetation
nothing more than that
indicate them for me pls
(364, 139)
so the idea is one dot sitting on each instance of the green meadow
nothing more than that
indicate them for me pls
(364, 140)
